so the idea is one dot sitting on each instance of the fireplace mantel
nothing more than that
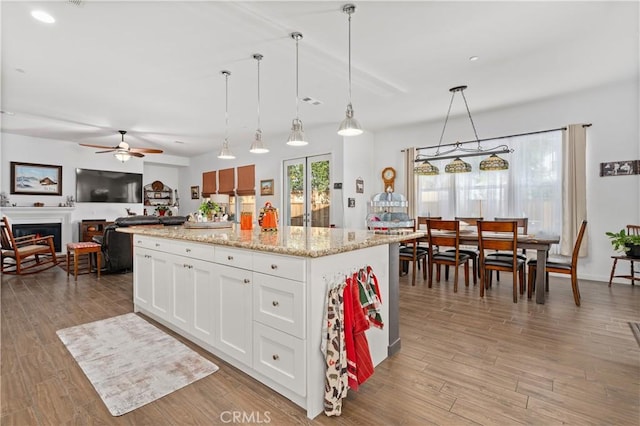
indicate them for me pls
(22, 215)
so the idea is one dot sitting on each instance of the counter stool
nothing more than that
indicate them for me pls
(79, 249)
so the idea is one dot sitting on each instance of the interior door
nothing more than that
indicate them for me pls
(307, 191)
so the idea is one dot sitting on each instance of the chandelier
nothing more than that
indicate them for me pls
(458, 150)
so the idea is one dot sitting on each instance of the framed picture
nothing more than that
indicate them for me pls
(195, 192)
(359, 186)
(351, 202)
(36, 179)
(266, 187)
(620, 168)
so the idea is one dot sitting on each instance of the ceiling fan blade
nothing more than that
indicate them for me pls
(98, 146)
(146, 150)
(136, 154)
(102, 152)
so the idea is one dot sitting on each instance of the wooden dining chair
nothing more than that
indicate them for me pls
(27, 253)
(523, 226)
(560, 266)
(412, 252)
(633, 273)
(446, 233)
(502, 236)
(468, 250)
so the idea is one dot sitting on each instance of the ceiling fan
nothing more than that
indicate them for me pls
(123, 151)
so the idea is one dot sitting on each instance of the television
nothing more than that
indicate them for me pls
(102, 186)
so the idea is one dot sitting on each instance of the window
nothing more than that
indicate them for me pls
(532, 187)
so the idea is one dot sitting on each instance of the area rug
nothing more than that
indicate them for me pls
(130, 362)
(635, 327)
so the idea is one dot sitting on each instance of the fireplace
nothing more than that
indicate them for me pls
(40, 229)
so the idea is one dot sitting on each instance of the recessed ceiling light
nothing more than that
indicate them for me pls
(43, 16)
(473, 58)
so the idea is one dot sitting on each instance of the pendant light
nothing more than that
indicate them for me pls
(426, 169)
(258, 147)
(296, 137)
(225, 152)
(349, 126)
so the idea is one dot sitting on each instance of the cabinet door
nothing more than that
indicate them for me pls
(161, 278)
(181, 313)
(142, 278)
(233, 310)
(204, 294)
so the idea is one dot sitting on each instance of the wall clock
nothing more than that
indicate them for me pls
(389, 177)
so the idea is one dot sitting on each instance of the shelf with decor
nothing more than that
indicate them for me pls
(158, 194)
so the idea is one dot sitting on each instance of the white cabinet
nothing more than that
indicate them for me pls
(204, 294)
(161, 284)
(233, 311)
(279, 303)
(142, 279)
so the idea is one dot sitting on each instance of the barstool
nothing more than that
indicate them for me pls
(79, 249)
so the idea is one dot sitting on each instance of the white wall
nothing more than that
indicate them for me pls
(612, 202)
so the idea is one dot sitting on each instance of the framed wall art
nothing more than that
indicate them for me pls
(36, 179)
(620, 168)
(266, 187)
(195, 192)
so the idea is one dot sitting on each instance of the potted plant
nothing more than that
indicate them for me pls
(162, 210)
(625, 243)
(208, 208)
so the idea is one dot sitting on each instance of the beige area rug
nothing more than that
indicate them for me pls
(635, 328)
(130, 362)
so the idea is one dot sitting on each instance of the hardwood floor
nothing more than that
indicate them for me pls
(464, 360)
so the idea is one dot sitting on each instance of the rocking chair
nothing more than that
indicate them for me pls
(29, 252)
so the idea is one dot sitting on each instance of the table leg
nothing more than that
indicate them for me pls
(68, 256)
(99, 263)
(75, 265)
(613, 270)
(541, 275)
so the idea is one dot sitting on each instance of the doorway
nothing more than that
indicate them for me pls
(307, 192)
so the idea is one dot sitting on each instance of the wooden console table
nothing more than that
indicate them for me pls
(91, 228)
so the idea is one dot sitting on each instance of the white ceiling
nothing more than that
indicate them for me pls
(153, 67)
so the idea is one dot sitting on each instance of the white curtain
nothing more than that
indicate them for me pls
(574, 199)
(410, 180)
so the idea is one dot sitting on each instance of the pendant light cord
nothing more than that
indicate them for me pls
(446, 119)
(470, 119)
(226, 107)
(297, 96)
(258, 59)
(349, 58)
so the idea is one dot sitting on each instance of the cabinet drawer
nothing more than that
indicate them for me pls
(279, 303)
(189, 249)
(234, 257)
(279, 356)
(144, 241)
(280, 266)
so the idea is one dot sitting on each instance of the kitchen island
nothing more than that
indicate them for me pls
(257, 299)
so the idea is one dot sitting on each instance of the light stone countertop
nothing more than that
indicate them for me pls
(289, 240)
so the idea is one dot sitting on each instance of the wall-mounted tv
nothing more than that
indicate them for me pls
(101, 186)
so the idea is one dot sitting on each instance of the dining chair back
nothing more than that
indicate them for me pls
(501, 236)
(410, 251)
(561, 266)
(469, 250)
(26, 254)
(523, 225)
(446, 233)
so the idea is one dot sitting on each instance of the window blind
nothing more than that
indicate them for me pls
(246, 180)
(227, 181)
(208, 183)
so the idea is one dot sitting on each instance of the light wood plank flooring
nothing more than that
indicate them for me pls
(463, 361)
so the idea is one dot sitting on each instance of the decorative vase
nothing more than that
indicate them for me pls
(634, 251)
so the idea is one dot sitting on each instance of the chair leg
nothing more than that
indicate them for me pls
(424, 268)
(430, 276)
(455, 279)
(531, 283)
(498, 276)
(476, 272)
(438, 273)
(522, 281)
(466, 274)
(446, 273)
(574, 287)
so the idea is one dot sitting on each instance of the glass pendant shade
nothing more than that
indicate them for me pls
(493, 162)
(426, 169)
(349, 126)
(225, 152)
(122, 156)
(457, 166)
(258, 147)
(296, 137)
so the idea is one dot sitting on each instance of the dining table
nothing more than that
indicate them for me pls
(540, 242)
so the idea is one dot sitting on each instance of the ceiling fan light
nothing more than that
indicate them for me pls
(122, 156)
(349, 126)
(426, 169)
(494, 162)
(225, 152)
(457, 166)
(258, 147)
(296, 137)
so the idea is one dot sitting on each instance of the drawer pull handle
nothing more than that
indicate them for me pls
(229, 257)
(147, 256)
(184, 265)
(139, 241)
(275, 357)
(247, 280)
(157, 245)
(274, 266)
(275, 303)
(188, 250)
